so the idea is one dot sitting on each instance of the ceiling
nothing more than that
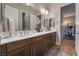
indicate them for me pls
(68, 10)
(35, 8)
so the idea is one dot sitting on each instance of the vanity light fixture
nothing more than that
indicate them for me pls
(29, 4)
(44, 11)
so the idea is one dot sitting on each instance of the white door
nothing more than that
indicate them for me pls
(77, 30)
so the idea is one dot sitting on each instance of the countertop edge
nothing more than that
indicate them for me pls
(6, 41)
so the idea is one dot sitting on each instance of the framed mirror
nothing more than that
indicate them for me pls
(25, 21)
(49, 23)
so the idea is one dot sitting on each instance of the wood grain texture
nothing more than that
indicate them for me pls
(34, 46)
(0, 50)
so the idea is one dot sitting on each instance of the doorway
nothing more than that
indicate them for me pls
(68, 28)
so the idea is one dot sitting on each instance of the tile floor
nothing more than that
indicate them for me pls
(66, 48)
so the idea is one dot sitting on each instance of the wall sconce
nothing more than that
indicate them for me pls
(29, 4)
(44, 11)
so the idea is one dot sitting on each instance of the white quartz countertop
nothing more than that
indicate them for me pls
(17, 38)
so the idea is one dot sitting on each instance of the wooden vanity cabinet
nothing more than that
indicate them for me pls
(42, 45)
(52, 39)
(37, 49)
(20, 48)
(0, 50)
(3, 50)
(24, 51)
(45, 44)
(35, 46)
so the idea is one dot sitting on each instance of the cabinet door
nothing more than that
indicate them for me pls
(25, 51)
(3, 50)
(37, 49)
(45, 44)
(0, 50)
(51, 40)
(54, 38)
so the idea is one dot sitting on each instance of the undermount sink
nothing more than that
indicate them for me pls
(18, 34)
(4, 36)
(27, 33)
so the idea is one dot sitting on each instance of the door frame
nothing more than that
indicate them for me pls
(61, 19)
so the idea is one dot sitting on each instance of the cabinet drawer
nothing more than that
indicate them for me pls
(3, 50)
(19, 44)
(25, 51)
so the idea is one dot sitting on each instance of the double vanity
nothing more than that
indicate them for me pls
(23, 33)
(36, 44)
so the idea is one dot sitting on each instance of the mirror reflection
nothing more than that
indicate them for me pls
(19, 19)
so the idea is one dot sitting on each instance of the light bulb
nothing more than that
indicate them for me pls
(46, 12)
(28, 4)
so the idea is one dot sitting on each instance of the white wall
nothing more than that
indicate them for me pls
(77, 30)
(55, 11)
